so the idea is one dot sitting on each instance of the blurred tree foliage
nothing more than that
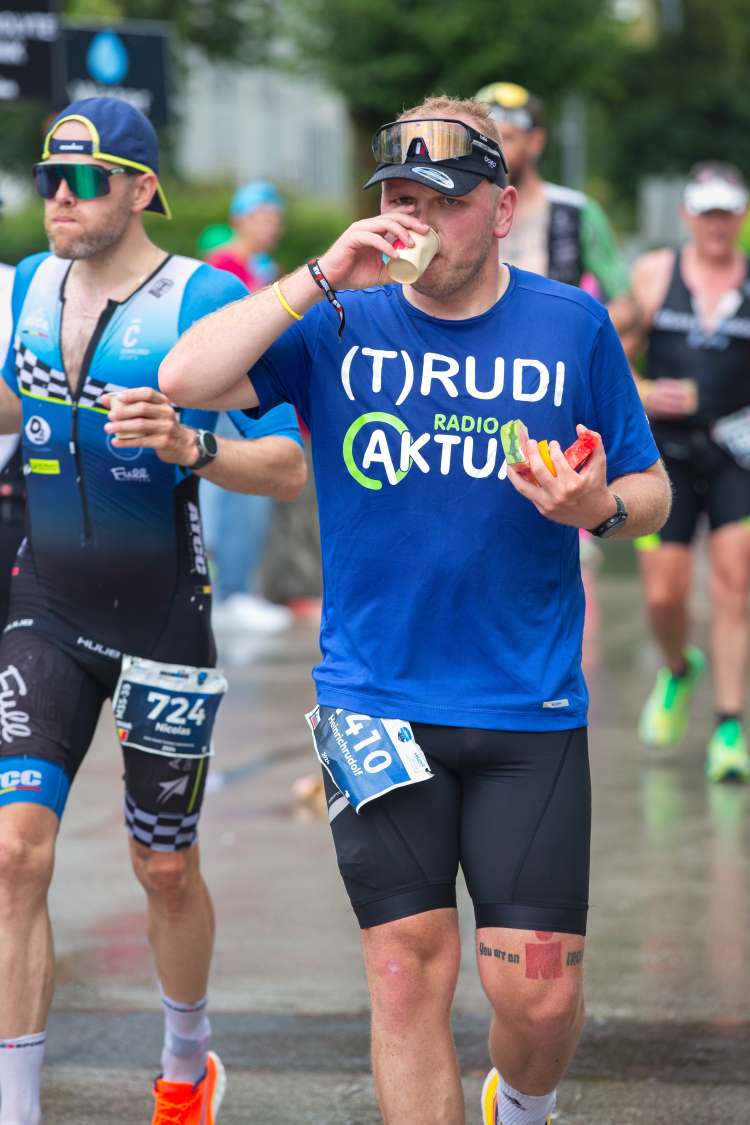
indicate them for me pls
(682, 97)
(387, 55)
(661, 93)
(237, 30)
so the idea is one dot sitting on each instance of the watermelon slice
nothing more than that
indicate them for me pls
(579, 452)
(514, 436)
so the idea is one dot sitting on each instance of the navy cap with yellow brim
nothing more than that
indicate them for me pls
(119, 133)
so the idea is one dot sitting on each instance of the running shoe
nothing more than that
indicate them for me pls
(181, 1103)
(665, 714)
(489, 1099)
(727, 757)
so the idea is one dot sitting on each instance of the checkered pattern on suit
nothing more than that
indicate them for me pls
(35, 377)
(162, 832)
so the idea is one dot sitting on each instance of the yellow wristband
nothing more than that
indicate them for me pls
(284, 303)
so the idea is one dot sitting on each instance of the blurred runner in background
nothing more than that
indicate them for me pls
(12, 492)
(557, 231)
(237, 526)
(695, 305)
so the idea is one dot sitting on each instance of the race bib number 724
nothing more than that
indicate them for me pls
(167, 708)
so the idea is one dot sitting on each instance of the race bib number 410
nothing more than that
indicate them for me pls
(167, 708)
(365, 757)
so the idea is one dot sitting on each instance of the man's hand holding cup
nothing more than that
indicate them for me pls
(357, 259)
(143, 417)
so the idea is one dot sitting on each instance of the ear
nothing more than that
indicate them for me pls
(537, 141)
(144, 191)
(505, 206)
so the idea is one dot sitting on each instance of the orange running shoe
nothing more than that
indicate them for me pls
(181, 1103)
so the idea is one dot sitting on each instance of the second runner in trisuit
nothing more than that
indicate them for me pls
(112, 583)
(696, 389)
(453, 599)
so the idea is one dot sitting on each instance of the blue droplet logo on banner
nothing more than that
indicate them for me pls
(107, 58)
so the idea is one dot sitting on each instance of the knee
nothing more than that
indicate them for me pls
(729, 590)
(546, 1019)
(167, 877)
(406, 976)
(26, 866)
(664, 599)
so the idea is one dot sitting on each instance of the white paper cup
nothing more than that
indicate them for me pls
(413, 260)
(113, 396)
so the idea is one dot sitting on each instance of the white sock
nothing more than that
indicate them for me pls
(21, 1079)
(187, 1033)
(514, 1108)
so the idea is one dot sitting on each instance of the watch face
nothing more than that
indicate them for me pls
(209, 444)
(612, 525)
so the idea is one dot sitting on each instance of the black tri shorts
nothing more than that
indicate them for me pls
(705, 480)
(511, 808)
(50, 701)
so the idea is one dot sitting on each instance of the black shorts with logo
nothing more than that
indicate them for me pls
(705, 480)
(511, 808)
(51, 696)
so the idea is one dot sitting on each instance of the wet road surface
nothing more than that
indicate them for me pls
(668, 960)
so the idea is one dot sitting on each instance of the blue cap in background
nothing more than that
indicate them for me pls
(258, 193)
(120, 134)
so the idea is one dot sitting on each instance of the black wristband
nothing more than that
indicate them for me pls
(324, 284)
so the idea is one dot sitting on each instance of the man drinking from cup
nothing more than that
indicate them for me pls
(453, 606)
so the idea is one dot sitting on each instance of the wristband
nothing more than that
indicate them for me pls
(284, 303)
(324, 284)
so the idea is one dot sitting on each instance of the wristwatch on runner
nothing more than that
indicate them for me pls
(612, 523)
(208, 449)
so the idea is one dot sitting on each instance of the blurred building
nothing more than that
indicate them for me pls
(243, 124)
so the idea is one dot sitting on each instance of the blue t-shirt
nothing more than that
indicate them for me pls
(447, 597)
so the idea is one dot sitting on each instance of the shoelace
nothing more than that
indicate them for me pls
(175, 1113)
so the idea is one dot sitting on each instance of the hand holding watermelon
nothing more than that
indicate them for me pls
(567, 487)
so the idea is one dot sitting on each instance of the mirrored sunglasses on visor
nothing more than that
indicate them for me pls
(436, 140)
(85, 181)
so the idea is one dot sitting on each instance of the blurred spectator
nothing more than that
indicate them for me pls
(236, 525)
(236, 529)
(256, 214)
(264, 268)
(212, 237)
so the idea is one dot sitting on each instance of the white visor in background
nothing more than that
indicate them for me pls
(715, 195)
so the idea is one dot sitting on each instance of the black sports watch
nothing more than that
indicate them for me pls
(613, 522)
(208, 449)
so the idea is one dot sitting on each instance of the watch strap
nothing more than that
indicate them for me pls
(610, 525)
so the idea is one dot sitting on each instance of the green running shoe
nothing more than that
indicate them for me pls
(728, 759)
(665, 715)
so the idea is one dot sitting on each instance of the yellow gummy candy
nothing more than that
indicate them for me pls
(544, 453)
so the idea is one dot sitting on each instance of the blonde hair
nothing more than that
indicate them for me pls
(440, 105)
